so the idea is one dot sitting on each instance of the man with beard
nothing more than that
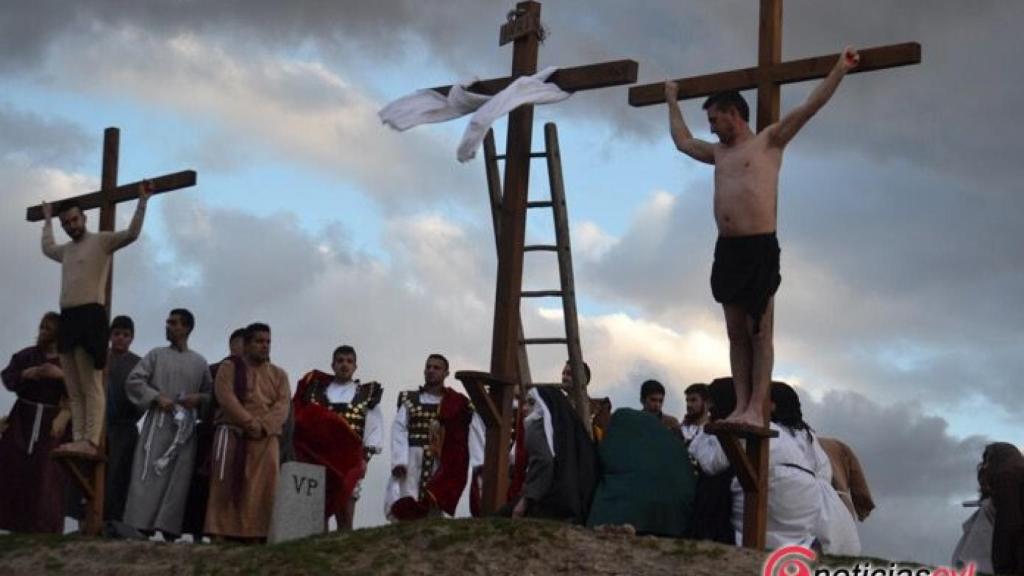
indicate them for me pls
(696, 411)
(172, 383)
(32, 484)
(435, 438)
(339, 425)
(85, 264)
(253, 397)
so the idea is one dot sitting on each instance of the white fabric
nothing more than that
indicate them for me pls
(412, 456)
(373, 428)
(802, 504)
(690, 431)
(523, 90)
(540, 412)
(428, 106)
(975, 544)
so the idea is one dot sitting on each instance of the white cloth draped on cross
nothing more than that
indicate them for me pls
(428, 106)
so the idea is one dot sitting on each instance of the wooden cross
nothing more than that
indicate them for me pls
(492, 391)
(90, 473)
(751, 464)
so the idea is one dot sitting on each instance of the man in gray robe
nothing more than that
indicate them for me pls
(173, 383)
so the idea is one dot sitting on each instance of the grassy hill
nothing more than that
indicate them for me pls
(464, 546)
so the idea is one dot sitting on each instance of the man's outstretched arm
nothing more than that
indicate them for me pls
(125, 237)
(694, 148)
(781, 133)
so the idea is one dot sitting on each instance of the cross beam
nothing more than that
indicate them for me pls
(767, 77)
(492, 389)
(123, 193)
(879, 58)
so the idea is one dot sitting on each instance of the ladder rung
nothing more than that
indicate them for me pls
(532, 155)
(540, 204)
(550, 385)
(541, 294)
(529, 341)
(540, 248)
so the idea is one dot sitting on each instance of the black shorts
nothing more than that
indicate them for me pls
(85, 327)
(746, 272)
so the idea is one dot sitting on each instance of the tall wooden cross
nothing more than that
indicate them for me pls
(751, 462)
(492, 391)
(90, 473)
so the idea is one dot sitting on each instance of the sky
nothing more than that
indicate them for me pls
(897, 318)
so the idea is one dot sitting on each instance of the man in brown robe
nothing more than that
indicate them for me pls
(253, 397)
(848, 478)
(31, 483)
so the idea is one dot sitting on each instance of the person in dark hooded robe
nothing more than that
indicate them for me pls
(561, 469)
(1002, 477)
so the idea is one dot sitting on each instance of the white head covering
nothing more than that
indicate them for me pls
(540, 412)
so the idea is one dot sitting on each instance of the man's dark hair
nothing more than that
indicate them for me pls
(252, 329)
(237, 333)
(730, 99)
(651, 387)
(441, 358)
(722, 394)
(586, 372)
(186, 318)
(122, 323)
(699, 389)
(66, 205)
(344, 349)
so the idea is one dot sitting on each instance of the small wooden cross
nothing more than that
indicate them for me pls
(90, 473)
(751, 464)
(492, 391)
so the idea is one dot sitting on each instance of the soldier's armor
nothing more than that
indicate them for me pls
(366, 398)
(421, 417)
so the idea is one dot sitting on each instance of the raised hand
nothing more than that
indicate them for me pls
(849, 60)
(671, 90)
(145, 190)
(47, 210)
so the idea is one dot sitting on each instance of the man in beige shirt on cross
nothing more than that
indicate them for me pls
(745, 275)
(82, 344)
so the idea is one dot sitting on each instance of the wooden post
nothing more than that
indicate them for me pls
(523, 30)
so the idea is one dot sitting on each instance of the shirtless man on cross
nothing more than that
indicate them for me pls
(745, 274)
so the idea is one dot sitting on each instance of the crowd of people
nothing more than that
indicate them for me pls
(196, 448)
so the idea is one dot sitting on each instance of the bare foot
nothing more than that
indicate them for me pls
(751, 418)
(735, 417)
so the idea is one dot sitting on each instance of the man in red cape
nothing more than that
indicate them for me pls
(434, 439)
(338, 425)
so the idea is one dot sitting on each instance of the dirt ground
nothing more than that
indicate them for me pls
(464, 546)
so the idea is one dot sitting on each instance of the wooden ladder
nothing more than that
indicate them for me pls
(566, 291)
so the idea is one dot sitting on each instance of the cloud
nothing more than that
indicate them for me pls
(256, 108)
(34, 138)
